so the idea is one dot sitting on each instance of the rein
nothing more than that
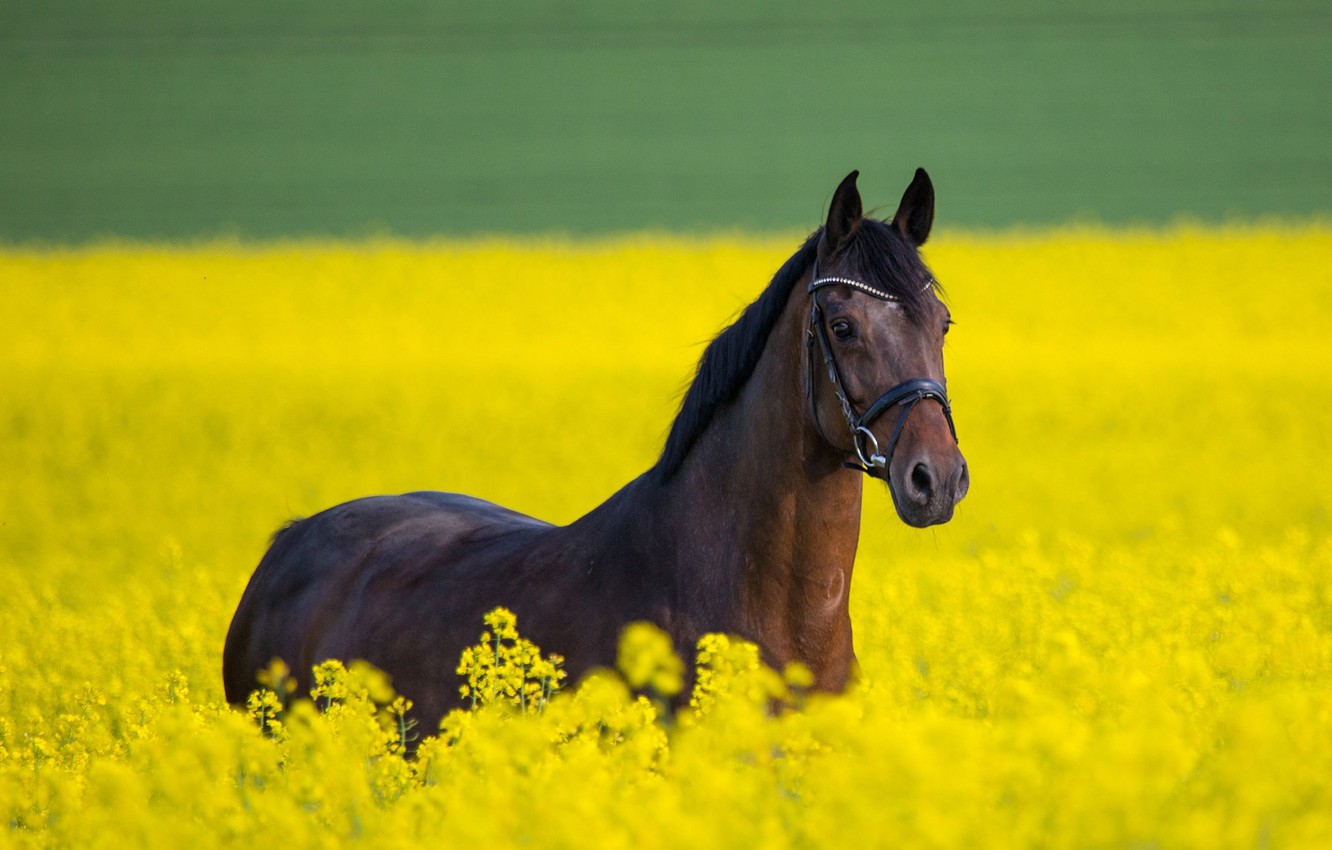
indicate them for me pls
(905, 395)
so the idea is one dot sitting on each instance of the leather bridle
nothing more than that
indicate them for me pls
(905, 395)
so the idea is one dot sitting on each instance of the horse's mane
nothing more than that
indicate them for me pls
(875, 253)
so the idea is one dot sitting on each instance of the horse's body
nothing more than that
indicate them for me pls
(748, 524)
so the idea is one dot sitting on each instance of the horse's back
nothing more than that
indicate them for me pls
(351, 562)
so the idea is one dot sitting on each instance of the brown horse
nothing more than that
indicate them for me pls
(747, 524)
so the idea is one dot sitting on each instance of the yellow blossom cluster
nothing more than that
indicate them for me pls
(1124, 637)
(505, 667)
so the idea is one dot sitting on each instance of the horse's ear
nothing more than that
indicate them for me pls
(915, 214)
(844, 212)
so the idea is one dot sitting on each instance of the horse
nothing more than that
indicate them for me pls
(747, 523)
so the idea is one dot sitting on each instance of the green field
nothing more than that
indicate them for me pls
(171, 120)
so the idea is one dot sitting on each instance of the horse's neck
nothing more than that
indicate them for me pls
(768, 519)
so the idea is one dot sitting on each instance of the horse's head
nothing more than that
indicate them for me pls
(876, 375)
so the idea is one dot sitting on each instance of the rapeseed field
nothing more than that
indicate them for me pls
(1124, 638)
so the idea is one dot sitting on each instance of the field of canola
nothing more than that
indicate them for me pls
(1124, 639)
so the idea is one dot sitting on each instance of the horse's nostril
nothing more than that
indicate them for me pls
(922, 482)
(963, 484)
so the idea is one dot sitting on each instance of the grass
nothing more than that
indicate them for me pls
(167, 121)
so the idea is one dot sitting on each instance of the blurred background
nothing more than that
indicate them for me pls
(168, 120)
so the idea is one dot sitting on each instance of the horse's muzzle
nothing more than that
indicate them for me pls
(926, 486)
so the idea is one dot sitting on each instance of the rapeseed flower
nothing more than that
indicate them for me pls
(1123, 638)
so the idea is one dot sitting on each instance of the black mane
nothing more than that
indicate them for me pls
(876, 253)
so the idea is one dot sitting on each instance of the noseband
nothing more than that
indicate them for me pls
(904, 395)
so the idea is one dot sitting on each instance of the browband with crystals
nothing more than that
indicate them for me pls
(859, 286)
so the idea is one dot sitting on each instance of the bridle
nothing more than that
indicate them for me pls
(904, 395)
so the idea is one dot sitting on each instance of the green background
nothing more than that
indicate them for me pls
(158, 119)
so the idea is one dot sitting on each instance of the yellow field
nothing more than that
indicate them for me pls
(1124, 639)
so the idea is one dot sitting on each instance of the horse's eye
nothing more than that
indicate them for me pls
(843, 329)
